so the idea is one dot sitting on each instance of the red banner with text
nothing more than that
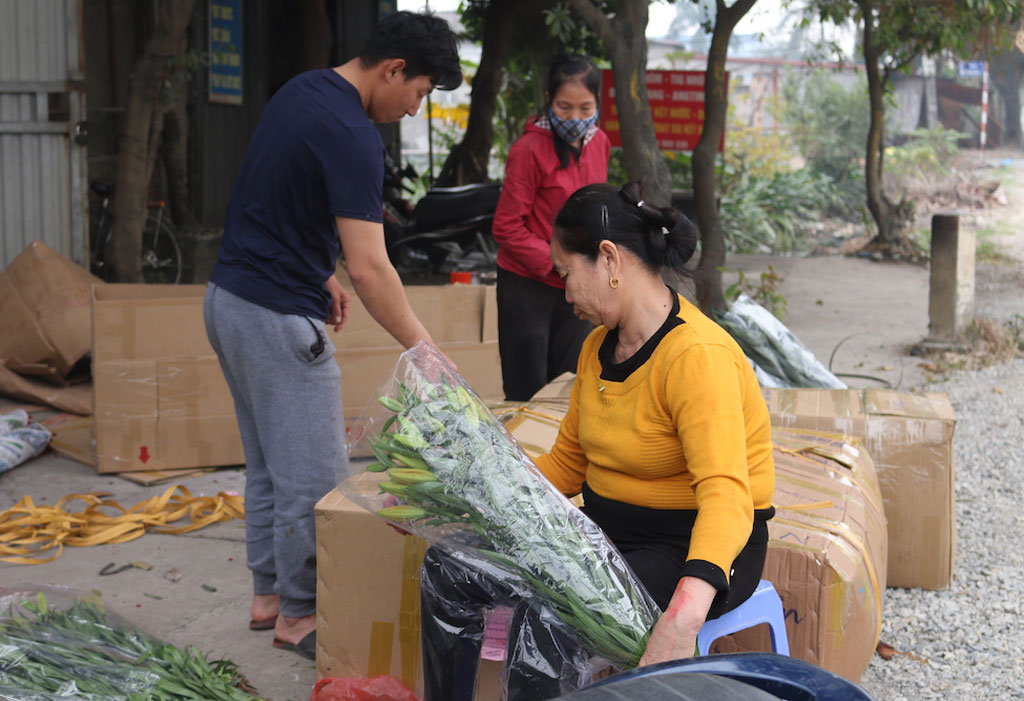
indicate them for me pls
(677, 108)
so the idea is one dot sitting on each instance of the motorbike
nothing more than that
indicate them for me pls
(447, 230)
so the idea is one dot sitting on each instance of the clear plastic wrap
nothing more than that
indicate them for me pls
(779, 357)
(56, 644)
(434, 461)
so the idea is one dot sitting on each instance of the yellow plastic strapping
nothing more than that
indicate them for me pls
(28, 531)
(382, 636)
(849, 536)
(827, 504)
(846, 472)
(413, 550)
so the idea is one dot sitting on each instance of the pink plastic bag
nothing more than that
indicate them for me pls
(382, 688)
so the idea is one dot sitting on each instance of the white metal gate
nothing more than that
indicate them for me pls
(42, 106)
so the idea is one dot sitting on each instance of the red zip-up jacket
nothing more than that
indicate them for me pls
(534, 190)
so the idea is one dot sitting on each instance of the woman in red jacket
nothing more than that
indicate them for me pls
(561, 150)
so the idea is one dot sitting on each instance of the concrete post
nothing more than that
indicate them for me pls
(951, 285)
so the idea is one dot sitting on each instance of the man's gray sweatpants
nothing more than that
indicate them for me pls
(286, 386)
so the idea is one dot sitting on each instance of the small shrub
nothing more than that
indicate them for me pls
(766, 293)
(828, 121)
(771, 214)
(922, 161)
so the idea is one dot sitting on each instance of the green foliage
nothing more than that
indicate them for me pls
(924, 157)
(764, 201)
(905, 29)
(761, 153)
(552, 31)
(617, 175)
(680, 167)
(49, 652)
(766, 293)
(1016, 328)
(453, 467)
(988, 251)
(828, 122)
(564, 27)
(771, 213)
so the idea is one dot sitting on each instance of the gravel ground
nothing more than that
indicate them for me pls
(966, 642)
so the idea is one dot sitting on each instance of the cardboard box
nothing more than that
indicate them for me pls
(368, 600)
(457, 314)
(75, 398)
(44, 312)
(827, 551)
(558, 391)
(910, 438)
(161, 401)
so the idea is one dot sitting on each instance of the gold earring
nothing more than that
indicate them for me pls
(613, 282)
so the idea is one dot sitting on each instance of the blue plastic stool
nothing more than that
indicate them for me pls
(763, 606)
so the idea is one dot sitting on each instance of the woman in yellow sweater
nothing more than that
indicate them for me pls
(667, 437)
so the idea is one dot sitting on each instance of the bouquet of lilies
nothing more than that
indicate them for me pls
(444, 468)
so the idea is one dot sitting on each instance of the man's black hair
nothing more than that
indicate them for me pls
(426, 43)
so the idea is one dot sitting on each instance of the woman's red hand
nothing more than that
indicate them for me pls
(675, 634)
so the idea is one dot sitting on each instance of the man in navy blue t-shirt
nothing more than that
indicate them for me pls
(309, 187)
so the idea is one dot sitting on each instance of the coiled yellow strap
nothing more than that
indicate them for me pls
(32, 535)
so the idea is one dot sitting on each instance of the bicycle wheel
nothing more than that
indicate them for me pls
(161, 254)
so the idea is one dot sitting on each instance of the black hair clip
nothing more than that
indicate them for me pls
(604, 221)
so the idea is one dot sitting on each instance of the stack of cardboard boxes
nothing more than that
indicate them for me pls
(162, 401)
(910, 438)
(846, 461)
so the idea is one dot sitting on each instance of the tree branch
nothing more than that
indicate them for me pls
(733, 14)
(596, 19)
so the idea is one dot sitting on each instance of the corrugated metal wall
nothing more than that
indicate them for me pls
(42, 169)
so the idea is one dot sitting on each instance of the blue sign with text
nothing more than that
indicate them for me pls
(972, 69)
(226, 51)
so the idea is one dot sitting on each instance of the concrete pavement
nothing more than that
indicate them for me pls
(216, 622)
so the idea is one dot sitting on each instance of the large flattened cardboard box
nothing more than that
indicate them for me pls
(910, 438)
(827, 542)
(368, 600)
(161, 401)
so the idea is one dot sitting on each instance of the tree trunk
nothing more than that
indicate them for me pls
(879, 206)
(174, 156)
(467, 162)
(139, 140)
(1007, 74)
(624, 37)
(716, 105)
(316, 35)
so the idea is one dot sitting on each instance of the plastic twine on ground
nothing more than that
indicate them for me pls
(32, 534)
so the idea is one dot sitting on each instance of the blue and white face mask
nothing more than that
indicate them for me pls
(571, 130)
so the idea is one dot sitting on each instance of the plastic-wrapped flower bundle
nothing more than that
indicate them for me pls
(445, 469)
(57, 645)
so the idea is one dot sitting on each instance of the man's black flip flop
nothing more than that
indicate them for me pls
(305, 647)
